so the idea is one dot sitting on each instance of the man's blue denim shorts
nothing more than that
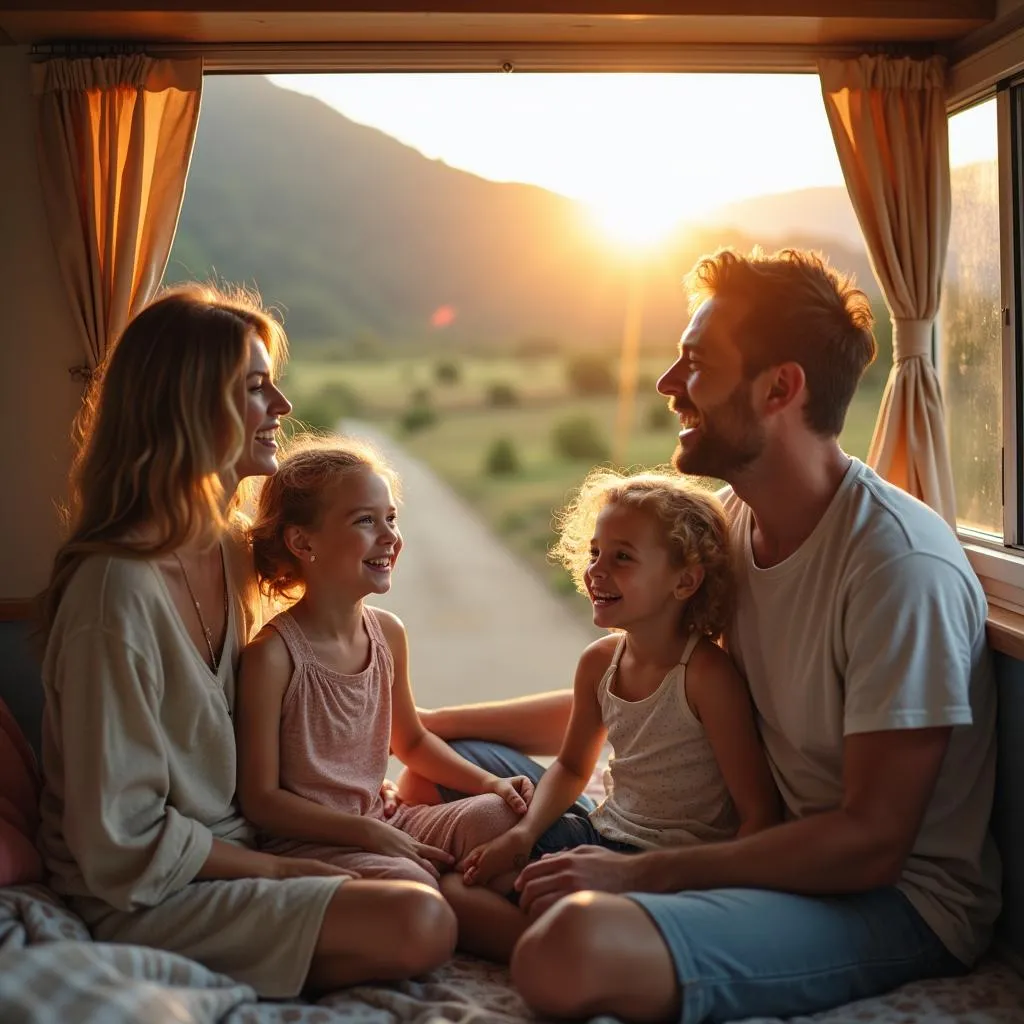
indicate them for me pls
(741, 953)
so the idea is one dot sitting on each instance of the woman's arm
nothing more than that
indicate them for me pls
(535, 724)
(265, 670)
(719, 697)
(110, 769)
(227, 860)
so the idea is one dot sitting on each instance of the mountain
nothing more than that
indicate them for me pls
(366, 245)
(822, 213)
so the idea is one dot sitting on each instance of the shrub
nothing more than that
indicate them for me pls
(502, 458)
(579, 437)
(502, 395)
(343, 398)
(537, 346)
(513, 521)
(418, 417)
(658, 416)
(590, 375)
(315, 413)
(447, 371)
(322, 409)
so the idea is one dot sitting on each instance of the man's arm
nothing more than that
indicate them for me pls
(534, 725)
(888, 778)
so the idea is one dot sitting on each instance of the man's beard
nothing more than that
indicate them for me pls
(728, 439)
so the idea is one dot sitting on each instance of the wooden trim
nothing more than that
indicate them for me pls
(1006, 632)
(281, 58)
(979, 70)
(16, 611)
(930, 10)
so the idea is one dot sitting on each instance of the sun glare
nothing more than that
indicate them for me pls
(635, 222)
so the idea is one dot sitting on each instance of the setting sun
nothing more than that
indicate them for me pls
(634, 148)
(635, 221)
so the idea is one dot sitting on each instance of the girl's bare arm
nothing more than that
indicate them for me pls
(563, 782)
(719, 697)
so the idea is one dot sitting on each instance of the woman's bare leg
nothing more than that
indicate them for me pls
(489, 925)
(381, 931)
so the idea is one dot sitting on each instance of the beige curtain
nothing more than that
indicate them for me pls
(114, 138)
(888, 119)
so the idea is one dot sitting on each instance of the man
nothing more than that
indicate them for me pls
(861, 630)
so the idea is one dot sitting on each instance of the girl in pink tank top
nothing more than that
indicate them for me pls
(324, 693)
(651, 552)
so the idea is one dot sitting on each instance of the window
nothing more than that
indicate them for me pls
(970, 322)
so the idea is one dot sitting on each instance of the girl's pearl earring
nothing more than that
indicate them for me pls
(312, 558)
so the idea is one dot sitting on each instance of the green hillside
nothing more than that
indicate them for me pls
(359, 239)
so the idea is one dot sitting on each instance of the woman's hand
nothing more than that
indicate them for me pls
(509, 852)
(517, 792)
(393, 842)
(305, 867)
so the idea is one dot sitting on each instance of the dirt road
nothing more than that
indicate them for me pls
(481, 624)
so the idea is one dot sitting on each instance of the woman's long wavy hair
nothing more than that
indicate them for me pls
(160, 421)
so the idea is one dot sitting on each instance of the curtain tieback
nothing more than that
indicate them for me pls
(911, 338)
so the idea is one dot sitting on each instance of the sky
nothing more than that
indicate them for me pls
(645, 152)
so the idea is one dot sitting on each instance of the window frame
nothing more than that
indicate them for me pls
(999, 561)
(975, 75)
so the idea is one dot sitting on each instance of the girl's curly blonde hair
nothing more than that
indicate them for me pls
(695, 533)
(298, 494)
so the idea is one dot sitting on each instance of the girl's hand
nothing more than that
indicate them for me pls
(393, 842)
(509, 852)
(389, 794)
(305, 867)
(517, 792)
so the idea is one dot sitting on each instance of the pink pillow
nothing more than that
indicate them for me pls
(19, 805)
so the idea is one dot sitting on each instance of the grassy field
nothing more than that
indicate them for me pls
(387, 386)
(519, 505)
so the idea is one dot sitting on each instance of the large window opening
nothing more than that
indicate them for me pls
(970, 320)
(485, 272)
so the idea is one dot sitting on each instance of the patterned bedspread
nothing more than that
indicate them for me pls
(52, 973)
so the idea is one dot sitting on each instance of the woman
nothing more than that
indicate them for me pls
(150, 602)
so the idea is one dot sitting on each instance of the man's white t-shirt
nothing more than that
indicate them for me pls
(875, 623)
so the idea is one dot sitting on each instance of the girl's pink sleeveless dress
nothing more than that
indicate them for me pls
(335, 740)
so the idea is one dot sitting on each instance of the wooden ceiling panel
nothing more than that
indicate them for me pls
(589, 22)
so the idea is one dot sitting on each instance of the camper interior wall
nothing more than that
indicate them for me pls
(38, 344)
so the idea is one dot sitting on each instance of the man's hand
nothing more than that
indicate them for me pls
(509, 852)
(555, 875)
(517, 792)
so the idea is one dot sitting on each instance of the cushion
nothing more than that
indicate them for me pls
(19, 805)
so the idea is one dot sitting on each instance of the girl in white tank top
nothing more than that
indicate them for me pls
(651, 552)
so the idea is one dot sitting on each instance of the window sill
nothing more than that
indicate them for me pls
(1006, 632)
(1001, 571)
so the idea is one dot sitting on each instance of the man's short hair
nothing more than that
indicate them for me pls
(795, 308)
